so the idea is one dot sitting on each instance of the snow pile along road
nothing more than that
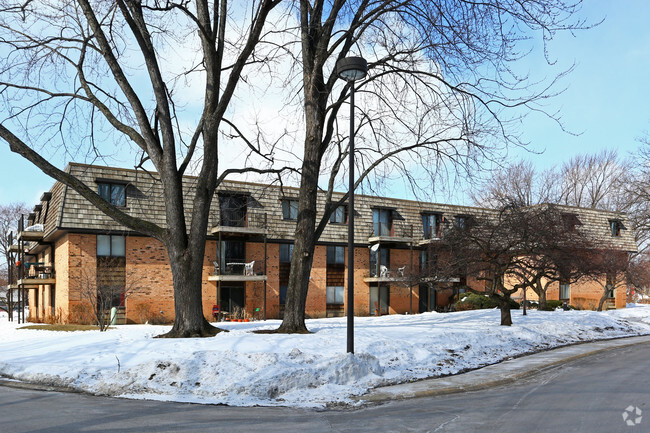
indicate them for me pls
(243, 368)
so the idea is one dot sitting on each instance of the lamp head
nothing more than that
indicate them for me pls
(352, 68)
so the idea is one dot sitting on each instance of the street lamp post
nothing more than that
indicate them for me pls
(351, 69)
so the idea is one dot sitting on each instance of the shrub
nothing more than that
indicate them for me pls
(553, 304)
(81, 314)
(474, 301)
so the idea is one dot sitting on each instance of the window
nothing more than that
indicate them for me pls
(428, 262)
(283, 294)
(339, 216)
(286, 252)
(335, 255)
(290, 209)
(383, 254)
(111, 246)
(462, 221)
(431, 225)
(335, 295)
(570, 221)
(565, 291)
(382, 221)
(114, 193)
(615, 227)
(233, 210)
(335, 276)
(233, 256)
(379, 299)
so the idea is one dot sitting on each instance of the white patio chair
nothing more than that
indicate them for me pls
(400, 271)
(384, 272)
(216, 268)
(248, 268)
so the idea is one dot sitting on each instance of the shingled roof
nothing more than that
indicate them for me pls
(69, 211)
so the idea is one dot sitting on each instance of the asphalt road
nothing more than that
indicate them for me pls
(586, 395)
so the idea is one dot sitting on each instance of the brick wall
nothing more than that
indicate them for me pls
(361, 288)
(151, 297)
(149, 279)
(316, 294)
(62, 299)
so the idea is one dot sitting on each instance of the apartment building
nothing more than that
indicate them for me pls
(66, 245)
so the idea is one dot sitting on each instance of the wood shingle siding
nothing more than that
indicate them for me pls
(144, 199)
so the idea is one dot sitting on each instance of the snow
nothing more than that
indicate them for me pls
(244, 369)
(35, 228)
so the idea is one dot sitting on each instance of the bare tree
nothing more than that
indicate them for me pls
(637, 193)
(106, 288)
(9, 215)
(436, 99)
(79, 75)
(558, 252)
(518, 183)
(638, 277)
(489, 249)
(595, 181)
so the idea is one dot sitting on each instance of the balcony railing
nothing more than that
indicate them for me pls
(36, 273)
(236, 221)
(238, 270)
(385, 273)
(397, 232)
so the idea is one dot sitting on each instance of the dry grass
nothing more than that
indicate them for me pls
(62, 327)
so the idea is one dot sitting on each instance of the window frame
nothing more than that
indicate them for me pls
(288, 253)
(233, 209)
(110, 245)
(342, 209)
(462, 221)
(338, 295)
(111, 186)
(566, 288)
(376, 256)
(282, 295)
(287, 208)
(615, 227)
(332, 252)
(378, 214)
(434, 230)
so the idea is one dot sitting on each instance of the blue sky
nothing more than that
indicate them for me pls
(607, 100)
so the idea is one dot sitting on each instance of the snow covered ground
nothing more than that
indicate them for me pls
(243, 368)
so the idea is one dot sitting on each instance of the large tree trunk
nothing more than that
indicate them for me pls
(504, 306)
(303, 251)
(506, 317)
(542, 299)
(186, 253)
(187, 268)
(603, 298)
(315, 94)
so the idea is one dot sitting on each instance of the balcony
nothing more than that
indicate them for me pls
(241, 223)
(387, 275)
(37, 274)
(32, 233)
(235, 270)
(395, 233)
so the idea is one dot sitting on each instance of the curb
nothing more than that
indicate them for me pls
(501, 373)
(11, 383)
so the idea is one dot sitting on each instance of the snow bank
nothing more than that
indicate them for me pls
(242, 368)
